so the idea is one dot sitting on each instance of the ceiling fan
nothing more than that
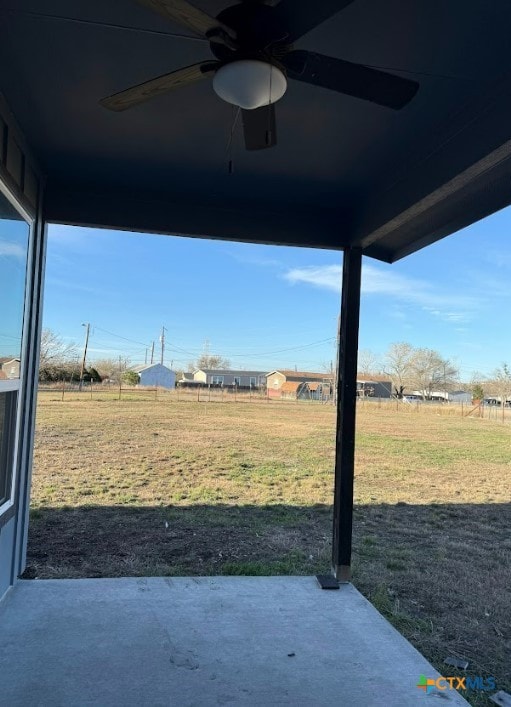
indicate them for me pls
(252, 43)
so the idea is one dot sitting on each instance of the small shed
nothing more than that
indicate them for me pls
(316, 390)
(290, 390)
(156, 375)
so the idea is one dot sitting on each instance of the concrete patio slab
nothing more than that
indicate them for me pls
(203, 641)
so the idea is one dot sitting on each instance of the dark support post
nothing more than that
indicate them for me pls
(346, 410)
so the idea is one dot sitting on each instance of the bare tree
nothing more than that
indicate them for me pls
(212, 361)
(430, 372)
(398, 366)
(368, 362)
(500, 383)
(111, 369)
(54, 351)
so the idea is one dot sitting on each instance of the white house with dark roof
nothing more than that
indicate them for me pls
(227, 378)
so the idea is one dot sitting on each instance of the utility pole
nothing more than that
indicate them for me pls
(152, 353)
(162, 341)
(87, 330)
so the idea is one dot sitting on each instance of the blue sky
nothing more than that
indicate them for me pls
(272, 307)
(13, 258)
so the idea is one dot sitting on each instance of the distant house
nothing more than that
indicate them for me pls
(297, 384)
(156, 375)
(373, 386)
(497, 400)
(248, 380)
(455, 396)
(187, 379)
(11, 369)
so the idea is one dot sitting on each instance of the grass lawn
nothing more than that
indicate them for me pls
(146, 486)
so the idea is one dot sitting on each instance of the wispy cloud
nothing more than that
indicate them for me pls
(498, 258)
(324, 276)
(250, 258)
(398, 313)
(76, 286)
(92, 349)
(449, 306)
(15, 250)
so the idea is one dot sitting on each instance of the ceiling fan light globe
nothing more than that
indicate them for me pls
(249, 84)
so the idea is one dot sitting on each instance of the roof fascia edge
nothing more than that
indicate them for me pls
(415, 193)
(448, 190)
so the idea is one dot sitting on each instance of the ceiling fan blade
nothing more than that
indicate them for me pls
(162, 84)
(187, 15)
(259, 127)
(353, 79)
(302, 16)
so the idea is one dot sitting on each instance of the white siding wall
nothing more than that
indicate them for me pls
(158, 375)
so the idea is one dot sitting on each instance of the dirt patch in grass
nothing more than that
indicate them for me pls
(156, 487)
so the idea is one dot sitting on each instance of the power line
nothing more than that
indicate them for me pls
(174, 347)
(291, 348)
(118, 336)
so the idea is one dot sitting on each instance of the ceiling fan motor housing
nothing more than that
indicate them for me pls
(259, 33)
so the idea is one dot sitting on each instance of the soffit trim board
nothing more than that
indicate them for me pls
(152, 213)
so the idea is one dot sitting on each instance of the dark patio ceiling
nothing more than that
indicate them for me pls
(344, 171)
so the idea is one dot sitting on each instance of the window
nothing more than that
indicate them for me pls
(217, 380)
(253, 381)
(237, 381)
(7, 438)
(14, 239)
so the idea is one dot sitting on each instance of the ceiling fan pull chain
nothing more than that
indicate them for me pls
(230, 162)
(268, 132)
